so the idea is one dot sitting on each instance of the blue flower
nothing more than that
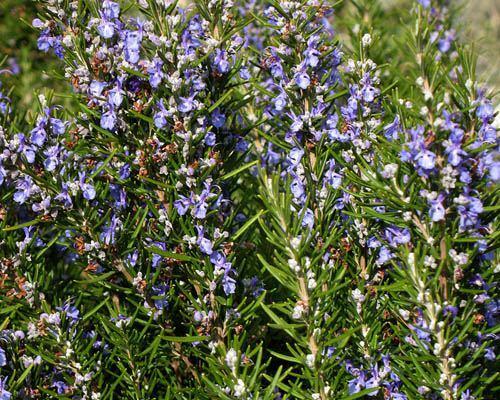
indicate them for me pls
(308, 219)
(297, 187)
(210, 138)
(132, 46)
(25, 188)
(426, 160)
(220, 61)
(218, 118)
(384, 255)
(88, 191)
(4, 394)
(106, 29)
(155, 72)
(302, 80)
(294, 157)
(206, 246)
(187, 104)
(160, 117)
(392, 130)
(397, 236)
(437, 211)
(311, 55)
(469, 213)
(64, 196)
(108, 119)
(3, 358)
(110, 9)
(182, 205)
(39, 135)
(108, 235)
(72, 313)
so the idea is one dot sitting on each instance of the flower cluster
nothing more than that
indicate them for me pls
(242, 199)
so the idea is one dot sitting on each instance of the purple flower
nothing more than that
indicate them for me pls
(254, 286)
(119, 195)
(4, 394)
(187, 104)
(220, 61)
(132, 46)
(25, 188)
(308, 219)
(44, 205)
(469, 213)
(297, 187)
(88, 191)
(245, 73)
(108, 119)
(466, 395)
(221, 265)
(52, 159)
(445, 43)
(450, 310)
(426, 160)
(331, 177)
(182, 205)
(397, 236)
(3, 358)
(115, 95)
(110, 9)
(39, 135)
(489, 354)
(72, 313)
(485, 111)
(297, 123)
(218, 118)
(108, 235)
(392, 130)
(96, 88)
(28, 150)
(155, 72)
(210, 138)
(384, 255)
(437, 211)
(228, 284)
(64, 197)
(60, 386)
(280, 101)
(294, 157)
(357, 384)
(302, 80)
(160, 293)
(311, 55)
(58, 127)
(106, 29)
(206, 246)
(160, 117)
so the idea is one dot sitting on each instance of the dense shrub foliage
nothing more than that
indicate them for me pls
(246, 199)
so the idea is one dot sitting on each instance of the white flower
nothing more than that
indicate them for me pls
(298, 311)
(458, 258)
(232, 359)
(239, 388)
(389, 171)
(294, 265)
(430, 261)
(405, 314)
(310, 360)
(357, 296)
(366, 40)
